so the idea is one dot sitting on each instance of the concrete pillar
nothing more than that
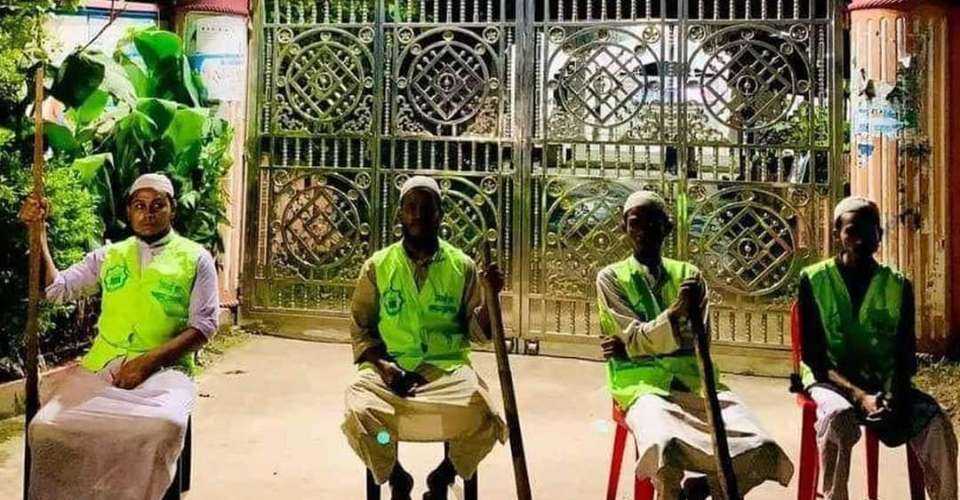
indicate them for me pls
(902, 145)
(215, 34)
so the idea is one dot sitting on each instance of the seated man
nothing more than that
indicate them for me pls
(647, 304)
(417, 305)
(113, 427)
(859, 354)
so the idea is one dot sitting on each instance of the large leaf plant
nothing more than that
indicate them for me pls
(143, 110)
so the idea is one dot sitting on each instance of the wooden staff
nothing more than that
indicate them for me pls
(506, 385)
(721, 449)
(31, 339)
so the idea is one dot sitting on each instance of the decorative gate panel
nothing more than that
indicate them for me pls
(539, 119)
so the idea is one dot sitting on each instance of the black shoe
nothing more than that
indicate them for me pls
(401, 484)
(439, 481)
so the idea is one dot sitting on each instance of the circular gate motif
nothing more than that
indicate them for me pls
(321, 226)
(448, 80)
(325, 80)
(744, 240)
(603, 83)
(748, 80)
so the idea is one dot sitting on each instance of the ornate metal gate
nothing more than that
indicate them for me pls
(539, 118)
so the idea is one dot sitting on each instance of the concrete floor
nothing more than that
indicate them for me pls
(267, 427)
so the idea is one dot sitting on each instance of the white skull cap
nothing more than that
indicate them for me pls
(157, 182)
(419, 181)
(643, 197)
(854, 204)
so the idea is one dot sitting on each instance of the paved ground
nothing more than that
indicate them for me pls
(267, 427)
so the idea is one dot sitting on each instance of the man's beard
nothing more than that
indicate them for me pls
(428, 238)
(153, 237)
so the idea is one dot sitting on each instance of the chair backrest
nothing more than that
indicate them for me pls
(796, 336)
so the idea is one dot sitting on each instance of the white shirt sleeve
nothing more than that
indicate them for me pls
(77, 281)
(641, 338)
(205, 297)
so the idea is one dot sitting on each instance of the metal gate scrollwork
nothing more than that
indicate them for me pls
(538, 118)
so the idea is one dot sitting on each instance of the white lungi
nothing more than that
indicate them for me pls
(838, 429)
(93, 441)
(453, 408)
(673, 437)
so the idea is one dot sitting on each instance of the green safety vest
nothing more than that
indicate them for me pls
(426, 325)
(861, 346)
(630, 379)
(142, 309)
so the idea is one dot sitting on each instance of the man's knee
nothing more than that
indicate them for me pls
(41, 428)
(840, 427)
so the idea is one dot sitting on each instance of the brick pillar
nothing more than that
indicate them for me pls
(215, 36)
(902, 148)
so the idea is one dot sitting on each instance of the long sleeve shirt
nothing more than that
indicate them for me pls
(813, 349)
(83, 280)
(365, 306)
(643, 336)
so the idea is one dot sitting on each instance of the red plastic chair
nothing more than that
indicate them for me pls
(808, 477)
(642, 490)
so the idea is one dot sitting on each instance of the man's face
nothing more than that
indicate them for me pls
(420, 213)
(859, 233)
(646, 227)
(150, 212)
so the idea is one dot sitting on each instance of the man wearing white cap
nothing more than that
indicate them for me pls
(417, 306)
(113, 427)
(647, 305)
(859, 355)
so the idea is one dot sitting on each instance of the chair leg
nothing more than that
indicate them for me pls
(186, 458)
(642, 488)
(373, 489)
(807, 478)
(173, 491)
(616, 460)
(470, 487)
(872, 445)
(915, 473)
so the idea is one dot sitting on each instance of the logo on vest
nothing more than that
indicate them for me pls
(115, 277)
(444, 304)
(392, 302)
(171, 297)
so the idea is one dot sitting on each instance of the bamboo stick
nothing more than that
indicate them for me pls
(31, 340)
(506, 385)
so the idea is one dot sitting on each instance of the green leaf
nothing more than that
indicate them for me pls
(6, 135)
(92, 108)
(161, 111)
(77, 78)
(135, 74)
(61, 138)
(189, 83)
(115, 81)
(90, 166)
(189, 200)
(187, 128)
(158, 47)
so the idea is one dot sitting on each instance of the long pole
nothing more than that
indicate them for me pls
(506, 386)
(721, 449)
(31, 339)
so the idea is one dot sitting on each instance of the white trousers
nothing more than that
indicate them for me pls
(93, 441)
(674, 439)
(838, 430)
(453, 408)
